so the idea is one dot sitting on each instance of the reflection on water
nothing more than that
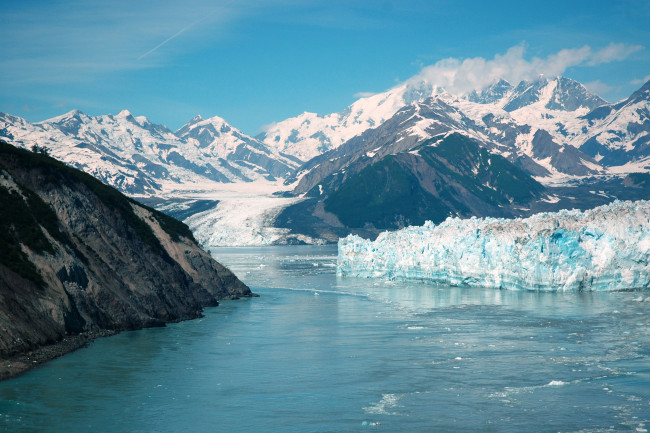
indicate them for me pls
(321, 353)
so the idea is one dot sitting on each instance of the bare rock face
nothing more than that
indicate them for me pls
(80, 257)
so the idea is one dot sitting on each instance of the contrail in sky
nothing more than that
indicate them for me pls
(175, 35)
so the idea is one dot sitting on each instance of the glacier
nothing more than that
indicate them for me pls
(605, 248)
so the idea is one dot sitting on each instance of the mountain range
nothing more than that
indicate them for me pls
(142, 158)
(553, 130)
(569, 146)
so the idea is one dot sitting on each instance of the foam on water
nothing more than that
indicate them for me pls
(385, 405)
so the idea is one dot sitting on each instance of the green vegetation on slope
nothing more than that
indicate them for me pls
(431, 182)
(638, 180)
(475, 168)
(56, 173)
(386, 195)
(18, 223)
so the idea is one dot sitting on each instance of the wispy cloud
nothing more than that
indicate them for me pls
(612, 52)
(72, 41)
(462, 76)
(364, 94)
(638, 81)
(598, 87)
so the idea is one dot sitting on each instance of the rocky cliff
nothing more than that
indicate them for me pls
(78, 257)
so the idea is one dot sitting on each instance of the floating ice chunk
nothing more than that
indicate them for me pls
(606, 248)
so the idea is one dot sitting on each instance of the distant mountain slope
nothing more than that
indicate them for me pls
(78, 256)
(448, 175)
(534, 150)
(619, 134)
(214, 137)
(139, 157)
(310, 134)
(533, 103)
(553, 128)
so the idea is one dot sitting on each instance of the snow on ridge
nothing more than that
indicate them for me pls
(310, 134)
(605, 248)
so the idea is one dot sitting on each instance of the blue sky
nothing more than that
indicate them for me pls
(256, 62)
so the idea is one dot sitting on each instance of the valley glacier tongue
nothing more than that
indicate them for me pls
(606, 248)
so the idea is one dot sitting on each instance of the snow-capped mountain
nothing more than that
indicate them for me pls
(400, 169)
(532, 136)
(140, 157)
(310, 134)
(216, 138)
(619, 134)
(563, 111)
(541, 103)
(560, 93)
(553, 129)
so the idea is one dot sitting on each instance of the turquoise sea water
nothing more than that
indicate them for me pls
(317, 353)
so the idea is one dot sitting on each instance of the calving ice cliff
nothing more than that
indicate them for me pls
(605, 248)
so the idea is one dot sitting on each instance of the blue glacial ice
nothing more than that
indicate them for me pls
(605, 248)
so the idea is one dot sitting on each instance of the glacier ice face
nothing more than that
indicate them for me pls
(606, 248)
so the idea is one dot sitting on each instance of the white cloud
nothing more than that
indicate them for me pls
(598, 87)
(364, 94)
(462, 76)
(639, 81)
(612, 52)
(268, 126)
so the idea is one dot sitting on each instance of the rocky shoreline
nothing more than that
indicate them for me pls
(20, 364)
(79, 260)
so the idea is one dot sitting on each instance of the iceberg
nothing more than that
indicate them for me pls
(605, 248)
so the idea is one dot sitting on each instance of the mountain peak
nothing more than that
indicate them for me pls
(71, 117)
(557, 93)
(199, 121)
(418, 90)
(73, 113)
(492, 93)
(216, 120)
(643, 94)
(207, 131)
(124, 114)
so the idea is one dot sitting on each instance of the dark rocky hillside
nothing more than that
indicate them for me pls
(78, 257)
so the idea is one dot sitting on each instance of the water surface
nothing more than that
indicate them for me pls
(317, 353)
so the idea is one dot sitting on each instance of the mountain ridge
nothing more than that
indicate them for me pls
(551, 127)
(140, 157)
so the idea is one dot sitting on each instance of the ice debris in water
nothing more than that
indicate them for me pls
(605, 248)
